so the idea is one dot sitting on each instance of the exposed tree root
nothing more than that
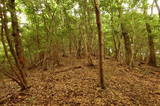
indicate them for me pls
(12, 96)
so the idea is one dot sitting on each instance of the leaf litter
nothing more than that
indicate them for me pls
(75, 84)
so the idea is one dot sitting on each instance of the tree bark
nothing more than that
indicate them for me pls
(16, 34)
(100, 36)
(15, 76)
(158, 8)
(3, 38)
(152, 55)
(114, 38)
(88, 32)
(127, 42)
(17, 53)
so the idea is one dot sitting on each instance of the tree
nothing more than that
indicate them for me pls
(158, 8)
(151, 47)
(100, 38)
(16, 34)
(127, 42)
(18, 75)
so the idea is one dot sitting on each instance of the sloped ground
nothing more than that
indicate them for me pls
(75, 84)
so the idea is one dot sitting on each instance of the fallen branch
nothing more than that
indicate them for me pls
(68, 69)
(5, 98)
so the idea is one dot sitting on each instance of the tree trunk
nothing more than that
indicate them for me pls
(79, 43)
(127, 42)
(152, 55)
(88, 32)
(158, 8)
(3, 38)
(18, 51)
(15, 76)
(100, 36)
(16, 34)
(114, 38)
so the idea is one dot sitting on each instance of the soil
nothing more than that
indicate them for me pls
(76, 84)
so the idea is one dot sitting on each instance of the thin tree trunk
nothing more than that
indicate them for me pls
(3, 39)
(114, 39)
(88, 33)
(6, 53)
(158, 8)
(100, 36)
(70, 45)
(79, 42)
(152, 55)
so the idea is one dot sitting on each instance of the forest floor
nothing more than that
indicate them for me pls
(75, 84)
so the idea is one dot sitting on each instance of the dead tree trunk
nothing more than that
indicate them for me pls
(100, 36)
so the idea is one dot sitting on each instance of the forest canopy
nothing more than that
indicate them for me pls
(42, 21)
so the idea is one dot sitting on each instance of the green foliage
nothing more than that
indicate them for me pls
(64, 20)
